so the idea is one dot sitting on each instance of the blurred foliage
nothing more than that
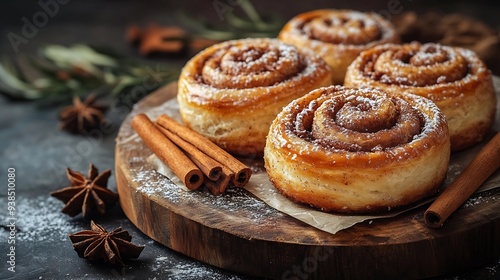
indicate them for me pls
(63, 72)
(233, 26)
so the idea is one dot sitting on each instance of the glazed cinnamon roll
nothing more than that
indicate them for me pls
(357, 150)
(232, 91)
(338, 35)
(454, 78)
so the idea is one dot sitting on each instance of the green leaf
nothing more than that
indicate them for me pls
(250, 11)
(78, 56)
(250, 25)
(14, 87)
(124, 82)
(62, 72)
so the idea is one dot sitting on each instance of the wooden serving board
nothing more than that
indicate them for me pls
(239, 233)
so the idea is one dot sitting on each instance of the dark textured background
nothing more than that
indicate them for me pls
(31, 143)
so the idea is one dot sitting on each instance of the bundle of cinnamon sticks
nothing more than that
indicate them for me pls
(193, 158)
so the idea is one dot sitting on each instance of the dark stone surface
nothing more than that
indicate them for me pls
(31, 143)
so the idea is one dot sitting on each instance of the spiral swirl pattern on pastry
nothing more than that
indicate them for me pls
(454, 78)
(338, 35)
(231, 91)
(357, 150)
(260, 64)
(353, 28)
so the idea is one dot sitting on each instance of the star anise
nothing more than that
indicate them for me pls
(82, 116)
(97, 244)
(86, 195)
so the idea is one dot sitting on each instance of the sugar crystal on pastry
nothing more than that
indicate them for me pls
(338, 35)
(454, 78)
(394, 152)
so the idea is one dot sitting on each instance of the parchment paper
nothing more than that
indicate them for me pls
(260, 186)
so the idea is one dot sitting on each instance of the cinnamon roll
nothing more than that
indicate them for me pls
(231, 92)
(338, 35)
(357, 150)
(454, 78)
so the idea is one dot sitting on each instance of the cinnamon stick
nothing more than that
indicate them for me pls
(168, 152)
(211, 168)
(217, 176)
(242, 172)
(218, 187)
(482, 166)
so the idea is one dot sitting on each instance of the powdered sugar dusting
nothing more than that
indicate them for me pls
(40, 220)
(154, 184)
(342, 28)
(347, 120)
(480, 199)
(419, 67)
(170, 270)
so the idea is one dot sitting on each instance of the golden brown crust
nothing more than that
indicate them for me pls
(454, 78)
(373, 151)
(231, 92)
(338, 35)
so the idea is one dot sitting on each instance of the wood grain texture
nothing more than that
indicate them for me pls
(257, 240)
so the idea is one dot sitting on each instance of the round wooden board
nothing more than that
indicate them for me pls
(239, 233)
